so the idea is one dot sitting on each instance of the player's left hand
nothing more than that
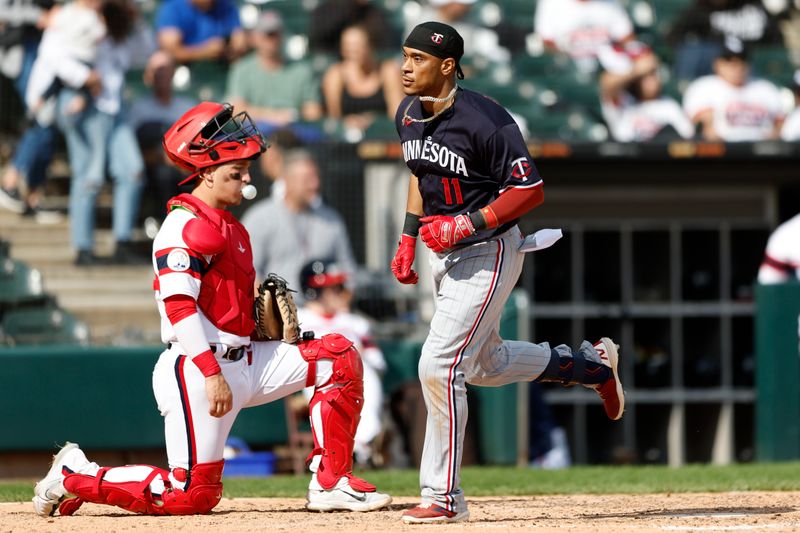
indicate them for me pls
(442, 232)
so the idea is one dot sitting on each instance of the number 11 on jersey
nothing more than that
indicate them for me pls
(448, 184)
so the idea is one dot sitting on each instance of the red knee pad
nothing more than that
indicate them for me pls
(339, 408)
(347, 365)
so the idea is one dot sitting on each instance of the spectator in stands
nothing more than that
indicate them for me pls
(782, 256)
(791, 128)
(330, 18)
(360, 87)
(703, 26)
(200, 30)
(479, 41)
(275, 94)
(630, 93)
(281, 142)
(288, 231)
(99, 136)
(731, 106)
(580, 28)
(151, 115)
(21, 187)
(324, 286)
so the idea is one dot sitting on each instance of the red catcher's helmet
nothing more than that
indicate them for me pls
(210, 134)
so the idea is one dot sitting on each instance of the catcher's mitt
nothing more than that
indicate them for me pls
(275, 312)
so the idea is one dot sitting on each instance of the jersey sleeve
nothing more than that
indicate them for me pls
(679, 120)
(168, 17)
(232, 21)
(698, 98)
(619, 24)
(510, 161)
(178, 268)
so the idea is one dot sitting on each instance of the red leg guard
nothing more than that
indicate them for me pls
(339, 408)
(202, 495)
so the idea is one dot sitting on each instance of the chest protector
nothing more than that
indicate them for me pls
(226, 290)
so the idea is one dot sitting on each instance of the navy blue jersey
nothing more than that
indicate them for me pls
(466, 157)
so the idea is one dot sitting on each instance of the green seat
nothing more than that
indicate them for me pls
(382, 129)
(537, 67)
(38, 326)
(667, 12)
(574, 125)
(19, 284)
(208, 80)
(772, 63)
(5, 248)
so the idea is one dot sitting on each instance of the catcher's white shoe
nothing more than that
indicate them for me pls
(343, 497)
(49, 491)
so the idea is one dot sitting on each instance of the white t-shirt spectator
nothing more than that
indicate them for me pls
(581, 28)
(791, 128)
(746, 113)
(633, 121)
(782, 256)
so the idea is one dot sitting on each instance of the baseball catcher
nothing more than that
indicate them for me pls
(211, 367)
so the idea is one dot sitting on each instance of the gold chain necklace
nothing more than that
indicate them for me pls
(407, 119)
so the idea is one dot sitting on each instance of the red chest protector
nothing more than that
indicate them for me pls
(226, 290)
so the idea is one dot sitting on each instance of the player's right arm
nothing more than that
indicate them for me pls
(182, 249)
(404, 257)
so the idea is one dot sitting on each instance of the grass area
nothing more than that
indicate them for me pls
(494, 481)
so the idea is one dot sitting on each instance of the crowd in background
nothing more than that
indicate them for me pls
(108, 76)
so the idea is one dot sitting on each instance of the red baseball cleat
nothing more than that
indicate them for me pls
(611, 391)
(433, 513)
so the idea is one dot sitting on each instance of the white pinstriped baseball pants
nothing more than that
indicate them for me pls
(471, 286)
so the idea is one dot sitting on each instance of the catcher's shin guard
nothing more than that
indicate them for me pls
(203, 493)
(335, 409)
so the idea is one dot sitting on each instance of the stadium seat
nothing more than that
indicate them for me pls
(208, 80)
(382, 129)
(38, 326)
(19, 284)
(5, 247)
(667, 12)
(772, 63)
(573, 125)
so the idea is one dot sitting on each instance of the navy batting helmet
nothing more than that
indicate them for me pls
(318, 274)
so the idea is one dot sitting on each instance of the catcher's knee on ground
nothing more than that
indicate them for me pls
(201, 492)
(335, 409)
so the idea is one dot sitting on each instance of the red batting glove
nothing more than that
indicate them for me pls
(442, 232)
(403, 259)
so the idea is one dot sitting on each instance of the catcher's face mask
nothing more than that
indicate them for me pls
(210, 134)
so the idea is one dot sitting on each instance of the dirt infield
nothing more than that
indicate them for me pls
(732, 511)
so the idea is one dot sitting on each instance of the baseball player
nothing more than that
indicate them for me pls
(327, 310)
(471, 179)
(204, 279)
(782, 256)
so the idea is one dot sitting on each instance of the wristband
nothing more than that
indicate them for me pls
(484, 218)
(411, 225)
(207, 363)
